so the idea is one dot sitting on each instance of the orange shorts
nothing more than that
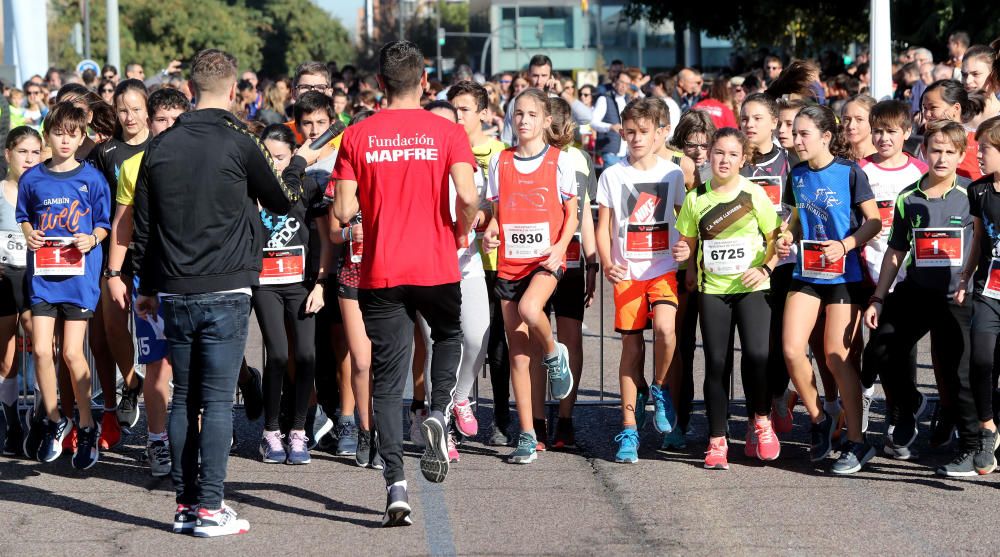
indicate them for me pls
(634, 300)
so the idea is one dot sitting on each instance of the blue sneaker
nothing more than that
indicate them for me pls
(641, 398)
(525, 452)
(674, 440)
(665, 416)
(628, 446)
(560, 376)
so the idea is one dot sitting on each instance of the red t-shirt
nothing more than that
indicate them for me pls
(401, 161)
(722, 116)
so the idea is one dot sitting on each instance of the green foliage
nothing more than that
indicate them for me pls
(271, 35)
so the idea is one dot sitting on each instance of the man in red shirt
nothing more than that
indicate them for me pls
(394, 167)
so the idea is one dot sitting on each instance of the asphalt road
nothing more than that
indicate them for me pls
(576, 502)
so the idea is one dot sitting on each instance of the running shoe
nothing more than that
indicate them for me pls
(55, 434)
(376, 460)
(943, 427)
(252, 391)
(768, 447)
(498, 437)
(453, 455)
(318, 427)
(272, 449)
(158, 453)
(525, 453)
(641, 398)
(985, 459)
(363, 456)
(434, 462)
(559, 374)
(69, 443)
(347, 438)
(866, 408)
(822, 438)
(397, 507)
(674, 441)
(220, 522)
(465, 419)
(963, 466)
(664, 415)
(185, 518)
(715, 456)
(128, 406)
(853, 457)
(565, 436)
(111, 431)
(87, 453)
(417, 417)
(35, 434)
(906, 429)
(783, 411)
(628, 446)
(892, 451)
(298, 447)
(14, 434)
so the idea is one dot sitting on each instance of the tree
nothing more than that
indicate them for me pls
(297, 31)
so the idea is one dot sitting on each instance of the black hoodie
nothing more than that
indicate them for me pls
(197, 226)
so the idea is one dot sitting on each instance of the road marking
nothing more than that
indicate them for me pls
(437, 524)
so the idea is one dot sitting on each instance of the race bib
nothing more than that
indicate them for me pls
(938, 247)
(646, 241)
(283, 266)
(992, 287)
(13, 248)
(526, 241)
(772, 187)
(58, 257)
(816, 265)
(730, 256)
(573, 253)
(885, 210)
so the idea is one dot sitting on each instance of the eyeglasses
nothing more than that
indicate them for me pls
(107, 90)
(306, 88)
(699, 146)
(585, 94)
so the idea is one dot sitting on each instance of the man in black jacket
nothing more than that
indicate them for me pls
(198, 251)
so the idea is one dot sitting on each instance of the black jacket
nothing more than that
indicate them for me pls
(197, 226)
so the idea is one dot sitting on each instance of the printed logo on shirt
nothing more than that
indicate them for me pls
(84, 189)
(534, 199)
(65, 218)
(419, 147)
(720, 217)
(918, 221)
(282, 229)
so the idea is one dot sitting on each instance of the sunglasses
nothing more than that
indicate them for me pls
(584, 94)
(307, 88)
(107, 90)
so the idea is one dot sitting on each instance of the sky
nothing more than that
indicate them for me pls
(346, 10)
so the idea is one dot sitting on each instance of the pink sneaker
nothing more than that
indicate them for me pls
(465, 419)
(768, 446)
(715, 456)
(750, 447)
(783, 412)
(452, 449)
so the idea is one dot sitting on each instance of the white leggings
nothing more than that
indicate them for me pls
(475, 329)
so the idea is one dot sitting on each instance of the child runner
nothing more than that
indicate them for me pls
(163, 107)
(62, 207)
(984, 204)
(836, 213)
(23, 150)
(637, 202)
(734, 223)
(788, 109)
(855, 115)
(533, 191)
(289, 296)
(947, 99)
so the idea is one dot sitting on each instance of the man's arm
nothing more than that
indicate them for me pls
(345, 203)
(467, 198)
(142, 227)
(275, 192)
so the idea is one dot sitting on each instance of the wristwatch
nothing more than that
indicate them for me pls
(108, 273)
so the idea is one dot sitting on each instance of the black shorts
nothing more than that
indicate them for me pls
(69, 312)
(854, 293)
(513, 290)
(346, 292)
(570, 295)
(331, 301)
(14, 297)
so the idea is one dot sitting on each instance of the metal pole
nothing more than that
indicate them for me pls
(440, 62)
(881, 50)
(86, 29)
(114, 51)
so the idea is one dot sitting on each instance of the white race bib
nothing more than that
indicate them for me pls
(13, 248)
(58, 257)
(938, 247)
(526, 241)
(729, 256)
(283, 266)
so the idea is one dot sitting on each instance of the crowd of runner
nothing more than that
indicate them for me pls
(784, 204)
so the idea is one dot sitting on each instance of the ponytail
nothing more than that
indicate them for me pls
(796, 79)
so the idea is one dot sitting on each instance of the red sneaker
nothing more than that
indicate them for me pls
(782, 414)
(69, 443)
(750, 447)
(111, 432)
(768, 446)
(715, 456)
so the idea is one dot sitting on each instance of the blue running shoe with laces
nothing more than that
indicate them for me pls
(628, 446)
(525, 452)
(674, 440)
(560, 376)
(664, 416)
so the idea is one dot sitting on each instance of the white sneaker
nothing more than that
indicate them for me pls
(416, 432)
(221, 522)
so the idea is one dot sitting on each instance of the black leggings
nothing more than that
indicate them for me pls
(752, 316)
(496, 356)
(777, 371)
(985, 348)
(281, 314)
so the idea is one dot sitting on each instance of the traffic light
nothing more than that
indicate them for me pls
(440, 36)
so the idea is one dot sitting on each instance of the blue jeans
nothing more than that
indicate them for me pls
(207, 335)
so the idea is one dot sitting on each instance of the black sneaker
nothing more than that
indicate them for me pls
(985, 459)
(35, 434)
(564, 437)
(434, 462)
(498, 437)
(86, 454)
(853, 457)
(963, 466)
(185, 518)
(943, 427)
(363, 454)
(904, 433)
(128, 406)
(55, 433)
(822, 438)
(14, 434)
(253, 394)
(397, 508)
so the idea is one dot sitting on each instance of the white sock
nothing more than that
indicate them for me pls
(401, 483)
(8, 390)
(832, 407)
(868, 391)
